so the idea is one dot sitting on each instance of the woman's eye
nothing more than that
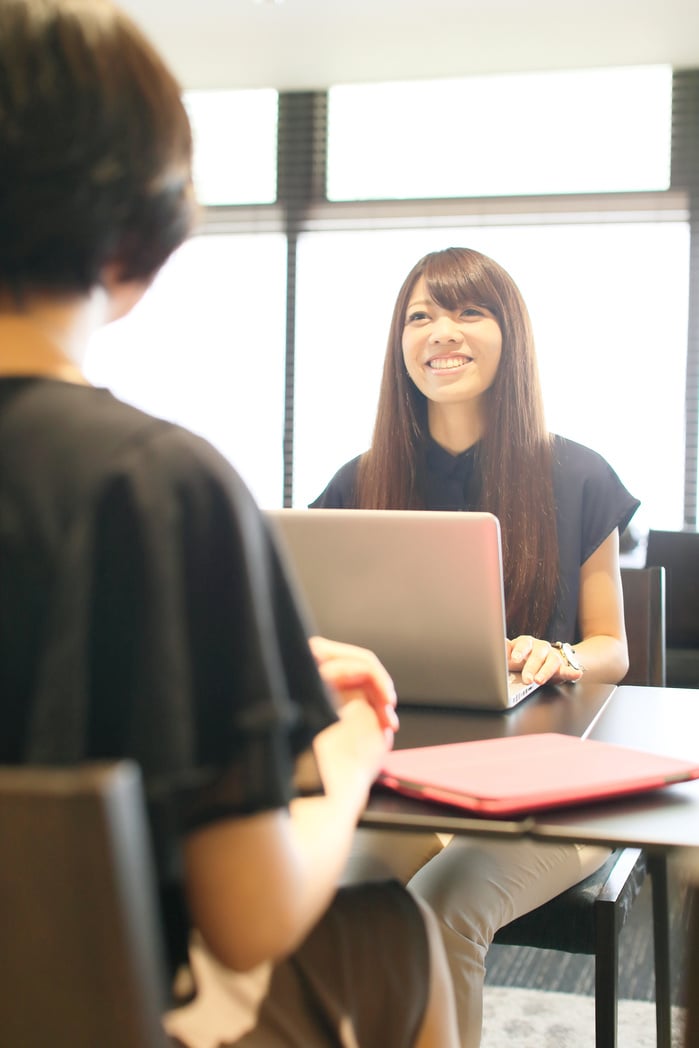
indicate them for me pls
(417, 315)
(472, 311)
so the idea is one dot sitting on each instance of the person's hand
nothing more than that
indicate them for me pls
(353, 672)
(350, 752)
(538, 660)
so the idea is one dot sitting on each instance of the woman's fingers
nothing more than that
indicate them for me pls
(537, 660)
(353, 671)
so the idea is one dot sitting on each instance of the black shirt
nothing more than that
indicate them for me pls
(590, 501)
(144, 612)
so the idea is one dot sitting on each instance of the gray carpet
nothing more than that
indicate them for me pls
(517, 1018)
(516, 966)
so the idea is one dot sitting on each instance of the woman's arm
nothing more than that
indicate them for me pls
(601, 648)
(256, 885)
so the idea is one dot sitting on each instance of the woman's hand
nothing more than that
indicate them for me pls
(350, 754)
(353, 672)
(538, 660)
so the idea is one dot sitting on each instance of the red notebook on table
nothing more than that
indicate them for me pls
(523, 773)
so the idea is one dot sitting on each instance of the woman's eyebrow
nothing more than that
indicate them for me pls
(419, 302)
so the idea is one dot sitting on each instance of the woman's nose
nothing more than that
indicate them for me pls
(445, 330)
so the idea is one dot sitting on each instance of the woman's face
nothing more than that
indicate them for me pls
(452, 356)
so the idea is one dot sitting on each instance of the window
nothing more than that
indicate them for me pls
(598, 245)
(609, 321)
(235, 145)
(205, 348)
(580, 131)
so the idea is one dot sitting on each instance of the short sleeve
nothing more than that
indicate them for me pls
(591, 499)
(151, 618)
(591, 502)
(199, 661)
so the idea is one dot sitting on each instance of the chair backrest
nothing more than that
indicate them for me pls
(678, 552)
(82, 961)
(644, 614)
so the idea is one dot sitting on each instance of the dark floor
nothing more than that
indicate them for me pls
(573, 973)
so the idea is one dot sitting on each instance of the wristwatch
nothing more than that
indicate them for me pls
(568, 653)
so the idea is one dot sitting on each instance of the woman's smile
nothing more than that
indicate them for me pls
(450, 363)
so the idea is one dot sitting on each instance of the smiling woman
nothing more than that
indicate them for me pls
(460, 426)
(491, 412)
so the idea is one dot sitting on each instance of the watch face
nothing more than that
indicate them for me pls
(569, 655)
(572, 657)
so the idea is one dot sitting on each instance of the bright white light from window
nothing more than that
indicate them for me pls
(579, 131)
(235, 145)
(205, 348)
(610, 322)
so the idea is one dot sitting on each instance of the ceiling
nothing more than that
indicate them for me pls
(306, 44)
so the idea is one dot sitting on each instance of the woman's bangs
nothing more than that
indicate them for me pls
(453, 286)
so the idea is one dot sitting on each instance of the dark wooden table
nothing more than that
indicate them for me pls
(661, 720)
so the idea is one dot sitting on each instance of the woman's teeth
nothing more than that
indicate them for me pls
(445, 363)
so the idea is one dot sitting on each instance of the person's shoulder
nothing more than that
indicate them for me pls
(570, 456)
(579, 471)
(136, 427)
(126, 440)
(340, 492)
(92, 415)
(181, 457)
(586, 486)
(348, 471)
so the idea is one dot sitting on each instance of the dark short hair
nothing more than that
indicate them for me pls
(95, 148)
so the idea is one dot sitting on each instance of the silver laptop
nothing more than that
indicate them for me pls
(422, 589)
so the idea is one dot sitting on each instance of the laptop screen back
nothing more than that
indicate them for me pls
(422, 589)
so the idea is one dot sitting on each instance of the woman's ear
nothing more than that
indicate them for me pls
(122, 295)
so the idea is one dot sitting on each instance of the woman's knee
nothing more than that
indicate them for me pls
(377, 856)
(461, 885)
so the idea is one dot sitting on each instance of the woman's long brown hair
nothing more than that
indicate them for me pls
(513, 458)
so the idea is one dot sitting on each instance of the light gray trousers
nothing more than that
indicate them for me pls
(475, 886)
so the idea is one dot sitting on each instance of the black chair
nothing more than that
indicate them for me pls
(644, 614)
(82, 961)
(678, 553)
(589, 917)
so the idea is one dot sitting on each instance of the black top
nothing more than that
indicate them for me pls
(590, 501)
(144, 612)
